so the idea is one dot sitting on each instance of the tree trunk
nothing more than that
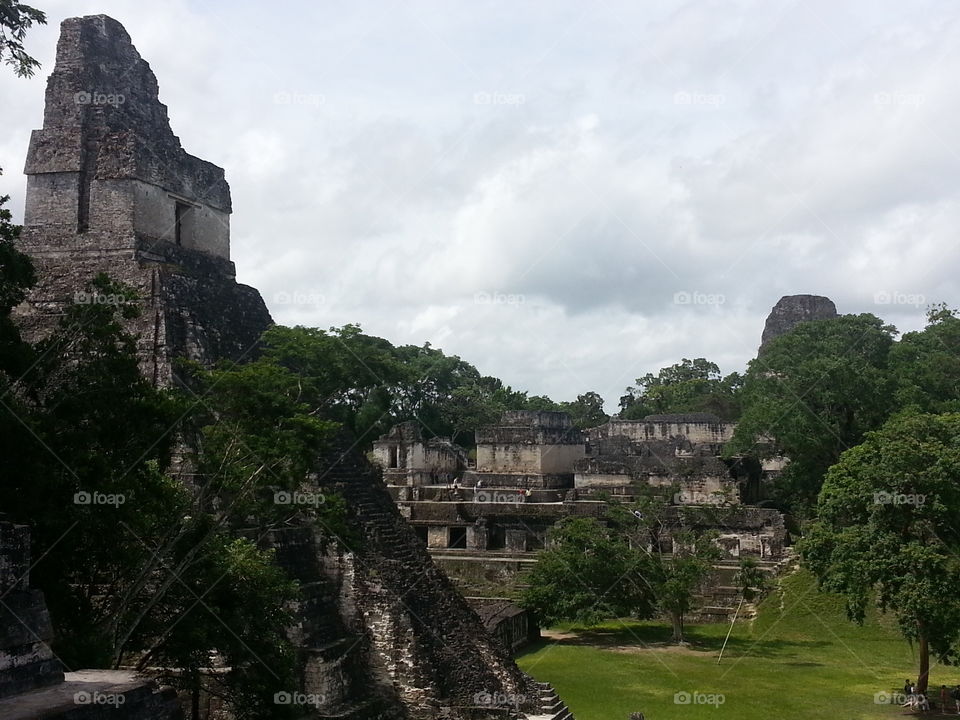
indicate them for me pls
(677, 620)
(924, 677)
(195, 695)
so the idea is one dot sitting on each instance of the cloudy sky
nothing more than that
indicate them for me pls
(566, 194)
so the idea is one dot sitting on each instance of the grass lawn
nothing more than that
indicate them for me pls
(800, 658)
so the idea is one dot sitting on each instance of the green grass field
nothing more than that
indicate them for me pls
(800, 658)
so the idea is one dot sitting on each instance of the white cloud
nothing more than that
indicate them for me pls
(529, 186)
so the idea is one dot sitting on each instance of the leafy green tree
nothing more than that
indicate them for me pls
(813, 394)
(750, 580)
(688, 386)
(15, 19)
(887, 531)
(475, 404)
(586, 411)
(541, 403)
(135, 562)
(925, 365)
(589, 573)
(682, 574)
(231, 606)
(96, 438)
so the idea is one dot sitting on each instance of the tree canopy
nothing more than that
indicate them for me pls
(688, 386)
(887, 531)
(812, 395)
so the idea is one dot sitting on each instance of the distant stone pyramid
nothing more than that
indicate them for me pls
(109, 189)
(791, 310)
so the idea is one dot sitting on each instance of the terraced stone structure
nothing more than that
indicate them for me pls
(487, 536)
(110, 189)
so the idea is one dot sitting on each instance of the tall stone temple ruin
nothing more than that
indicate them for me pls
(381, 630)
(110, 189)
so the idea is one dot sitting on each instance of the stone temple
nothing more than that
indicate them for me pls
(110, 189)
(382, 632)
(792, 310)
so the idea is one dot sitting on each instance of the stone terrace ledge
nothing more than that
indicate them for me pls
(71, 696)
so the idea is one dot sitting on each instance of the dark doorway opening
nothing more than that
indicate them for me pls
(180, 212)
(458, 538)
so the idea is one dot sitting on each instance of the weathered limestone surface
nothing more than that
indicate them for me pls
(527, 449)
(409, 459)
(109, 189)
(791, 310)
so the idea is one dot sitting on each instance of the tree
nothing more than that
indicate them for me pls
(925, 365)
(816, 390)
(589, 573)
(586, 411)
(136, 564)
(475, 404)
(688, 386)
(682, 575)
(886, 530)
(750, 580)
(17, 276)
(15, 19)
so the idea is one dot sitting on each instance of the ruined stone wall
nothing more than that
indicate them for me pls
(527, 458)
(692, 480)
(26, 660)
(641, 431)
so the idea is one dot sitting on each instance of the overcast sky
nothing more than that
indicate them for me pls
(566, 194)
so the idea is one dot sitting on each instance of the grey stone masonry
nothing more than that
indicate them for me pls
(107, 161)
(110, 190)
